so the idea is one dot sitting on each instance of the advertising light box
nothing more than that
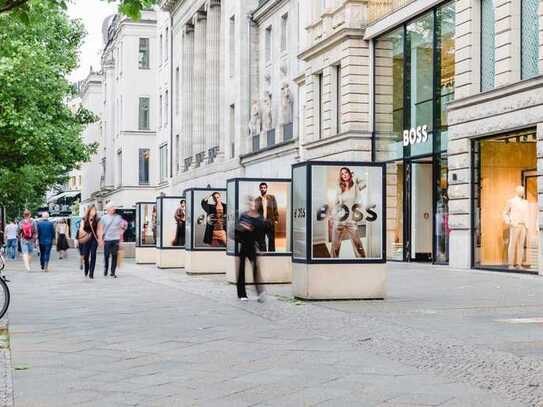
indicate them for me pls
(206, 219)
(338, 213)
(146, 224)
(270, 199)
(171, 222)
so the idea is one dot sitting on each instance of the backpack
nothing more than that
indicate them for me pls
(27, 230)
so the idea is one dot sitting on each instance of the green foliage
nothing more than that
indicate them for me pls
(23, 8)
(40, 137)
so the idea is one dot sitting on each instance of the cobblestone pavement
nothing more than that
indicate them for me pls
(162, 338)
(6, 383)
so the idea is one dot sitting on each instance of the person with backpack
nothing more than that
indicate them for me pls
(110, 229)
(27, 237)
(46, 234)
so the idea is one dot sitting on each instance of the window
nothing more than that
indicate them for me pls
(160, 111)
(338, 98)
(232, 45)
(268, 44)
(119, 168)
(163, 154)
(144, 53)
(177, 91)
(232, 129)
(143, 118)
(177, 154)
(529, 39)
(284, 32)
(166, 106)
(144, 155)
(161, 49)
(320, 91)
(166, 42)
(488, 44)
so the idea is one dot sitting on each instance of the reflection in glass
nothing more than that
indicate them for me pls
(395, 208)
(442, 211)
(299, 208)
(530, 38)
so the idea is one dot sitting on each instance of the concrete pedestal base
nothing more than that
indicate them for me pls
(145, 255)
(170, 258)
(129, 249)
(205, 262)
(339, 281)
(273, 269)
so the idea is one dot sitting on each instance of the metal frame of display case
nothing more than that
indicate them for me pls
(191, 247)
(309, 208)
(138, 222)
(236, 181)
(159, 224)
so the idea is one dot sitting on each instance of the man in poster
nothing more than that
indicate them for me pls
(267, 208)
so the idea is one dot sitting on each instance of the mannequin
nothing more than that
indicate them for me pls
(516, 217)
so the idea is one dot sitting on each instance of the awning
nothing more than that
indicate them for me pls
(66, 194)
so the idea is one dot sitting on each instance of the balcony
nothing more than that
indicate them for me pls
(380, 8)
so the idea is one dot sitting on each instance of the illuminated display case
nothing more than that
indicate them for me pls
(170, 231)
(146, 231)
(205, 231)
(270, 197)
(338, 230)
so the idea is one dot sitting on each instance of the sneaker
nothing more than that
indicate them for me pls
(244, 299)
(113, 276)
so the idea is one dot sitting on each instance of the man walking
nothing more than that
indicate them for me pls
(46, 234)
(267, 208)
(11, 239)
(110, 229)
(27, 235)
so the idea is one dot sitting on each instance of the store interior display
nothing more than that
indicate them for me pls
(506, 213)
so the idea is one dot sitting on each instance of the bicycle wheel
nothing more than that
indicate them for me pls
(4, 297)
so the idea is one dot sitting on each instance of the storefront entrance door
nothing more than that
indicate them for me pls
(419, 210)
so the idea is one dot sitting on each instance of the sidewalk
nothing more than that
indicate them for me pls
(6, 382)
(161, 338)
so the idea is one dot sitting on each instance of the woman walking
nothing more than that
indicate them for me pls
(88, 239)
(62, 240)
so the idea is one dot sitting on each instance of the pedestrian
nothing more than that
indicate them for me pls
(88, 240)
(110, 229)
(249, 229)
(11, 239)
(27, 237)
(46, 234)
(62, 231)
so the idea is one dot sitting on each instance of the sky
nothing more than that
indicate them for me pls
(92, 12)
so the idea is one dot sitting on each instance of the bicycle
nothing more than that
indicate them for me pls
(4, 290)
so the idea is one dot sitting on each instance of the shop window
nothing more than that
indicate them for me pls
(488, 44)
(441, 215)
(394, 210)
(530, 39)
(506, 231)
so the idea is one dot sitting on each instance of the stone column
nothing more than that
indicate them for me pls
(198, 116)
(187, 92)
(212, 102)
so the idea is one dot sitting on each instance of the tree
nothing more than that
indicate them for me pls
(22, 8)
(40, 137)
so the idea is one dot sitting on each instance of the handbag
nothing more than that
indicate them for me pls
(87, 236)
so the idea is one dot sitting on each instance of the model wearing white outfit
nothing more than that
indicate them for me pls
(347, 228)
(516, 216)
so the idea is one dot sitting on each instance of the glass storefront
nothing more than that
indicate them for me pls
(505, 221)
(414, 82)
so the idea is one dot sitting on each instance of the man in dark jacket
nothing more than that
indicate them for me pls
(46, 234)
(267, 208)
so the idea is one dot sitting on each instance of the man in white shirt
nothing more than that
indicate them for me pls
(516, 216)
(11, 239)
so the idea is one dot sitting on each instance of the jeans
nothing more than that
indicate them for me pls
(45, 252)
(12, 248)
(26, 246)
(247, 251)
(89, 253)
(111, 247)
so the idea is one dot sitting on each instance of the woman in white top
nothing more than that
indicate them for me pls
(62, 232)
(345, 225)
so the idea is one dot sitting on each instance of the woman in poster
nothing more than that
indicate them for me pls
(344, 218)
(215, 233)
(180, 219)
